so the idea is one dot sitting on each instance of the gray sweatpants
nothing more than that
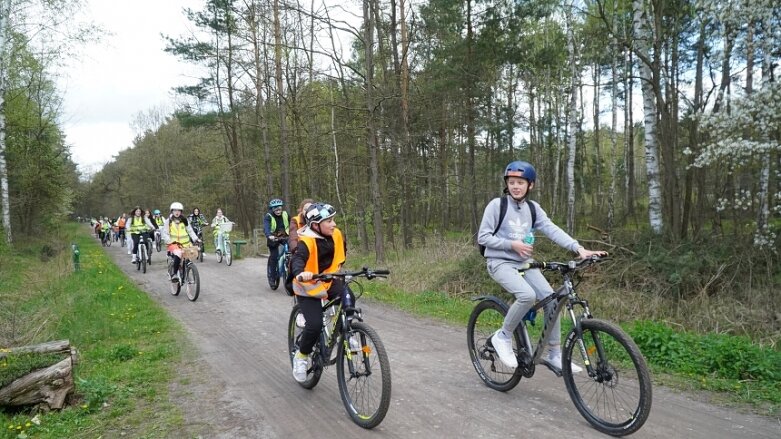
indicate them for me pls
(527, 289)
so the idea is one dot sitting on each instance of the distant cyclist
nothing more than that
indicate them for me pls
(177, 233)
(276, 226)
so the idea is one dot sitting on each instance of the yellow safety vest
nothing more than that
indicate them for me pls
(137, 225)
(178, 232)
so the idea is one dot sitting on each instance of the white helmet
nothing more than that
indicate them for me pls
(177, 206)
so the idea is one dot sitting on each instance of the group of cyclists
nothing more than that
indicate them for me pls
(146, 227)
(317, 246)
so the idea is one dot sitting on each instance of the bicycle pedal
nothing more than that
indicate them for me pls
(556, 371)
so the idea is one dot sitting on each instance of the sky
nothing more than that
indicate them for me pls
(125, 74)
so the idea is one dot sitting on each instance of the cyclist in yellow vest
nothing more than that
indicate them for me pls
(139, 227)
(321, 249)
(177, 233)
(276, 226)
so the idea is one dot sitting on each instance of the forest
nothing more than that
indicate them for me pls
(648, 121)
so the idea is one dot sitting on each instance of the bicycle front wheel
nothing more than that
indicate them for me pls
(613, 393)
(364, 376)
(191, 281)
(486, 318)
(295, 328)
(143, 256)
(228, 255)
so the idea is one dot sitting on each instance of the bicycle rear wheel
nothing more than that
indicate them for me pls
(615, 396)
(191, 281)
(364, 377)
(273, 281)
(485, 319)
(295, 327)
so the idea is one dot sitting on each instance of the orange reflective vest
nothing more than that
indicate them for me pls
(319, 288)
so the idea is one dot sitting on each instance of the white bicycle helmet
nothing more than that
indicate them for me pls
(177, 206)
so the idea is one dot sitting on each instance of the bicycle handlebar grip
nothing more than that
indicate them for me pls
(381, 272)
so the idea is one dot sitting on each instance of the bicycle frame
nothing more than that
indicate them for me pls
(564, 297)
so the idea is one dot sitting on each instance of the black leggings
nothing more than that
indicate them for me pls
(136, 238)
(312, 309)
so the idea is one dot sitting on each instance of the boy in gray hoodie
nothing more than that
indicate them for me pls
(511, 247)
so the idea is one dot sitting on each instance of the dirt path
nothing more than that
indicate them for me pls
(240, 385)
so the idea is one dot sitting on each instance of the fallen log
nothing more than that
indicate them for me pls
(49, 387)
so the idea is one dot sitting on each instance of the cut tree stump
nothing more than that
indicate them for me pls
(47, 387)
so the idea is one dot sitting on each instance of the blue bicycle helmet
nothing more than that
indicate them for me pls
(520, 169)
(156, 212)
(276, 202)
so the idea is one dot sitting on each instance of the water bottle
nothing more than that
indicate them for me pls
(529, 238)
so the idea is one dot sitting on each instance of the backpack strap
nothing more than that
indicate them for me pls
(503, 213)
(532, 210)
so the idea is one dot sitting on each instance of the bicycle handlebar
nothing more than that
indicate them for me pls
(564, 267)
(365, 272)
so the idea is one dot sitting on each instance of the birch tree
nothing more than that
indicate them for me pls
(5, 9)
(642, 38)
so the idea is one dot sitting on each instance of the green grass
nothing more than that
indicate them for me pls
(439, 282)
(128, 346)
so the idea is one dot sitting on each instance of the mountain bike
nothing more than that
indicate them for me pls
(188, 274)
(613, 392)
(105, 240)
(223, 243)
(158, 237)
(281, 270)
(143, 252)
(362, 366)
(200, 245)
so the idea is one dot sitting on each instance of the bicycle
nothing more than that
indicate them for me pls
(188, 274)
(281, 270)
(142, 256)
(610, 356)
(224, 245)
(359, 352)
(201, 246)
(105, 240)
(158, 244)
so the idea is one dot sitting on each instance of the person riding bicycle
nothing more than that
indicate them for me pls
(139, 227)
(197, 222)
(218, 235)
(121, 225)
(105, 228)
(510, 245)
(321, 249)
(276, 226)
(157, 218)
(297, 223)
(177, 234)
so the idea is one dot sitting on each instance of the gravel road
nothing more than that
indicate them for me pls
(238, 383)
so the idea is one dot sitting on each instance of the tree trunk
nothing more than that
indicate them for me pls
(642, 36)
(260, 117)
(373, 142)
(49, 386)
(615, 52)
(573, 125)
(5, 50)
(470, 118)
(281, 105)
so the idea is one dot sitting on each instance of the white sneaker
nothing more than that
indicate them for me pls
(504, 347)
(300, 320)
(299, 368)
(134, 259)
(554, 358)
